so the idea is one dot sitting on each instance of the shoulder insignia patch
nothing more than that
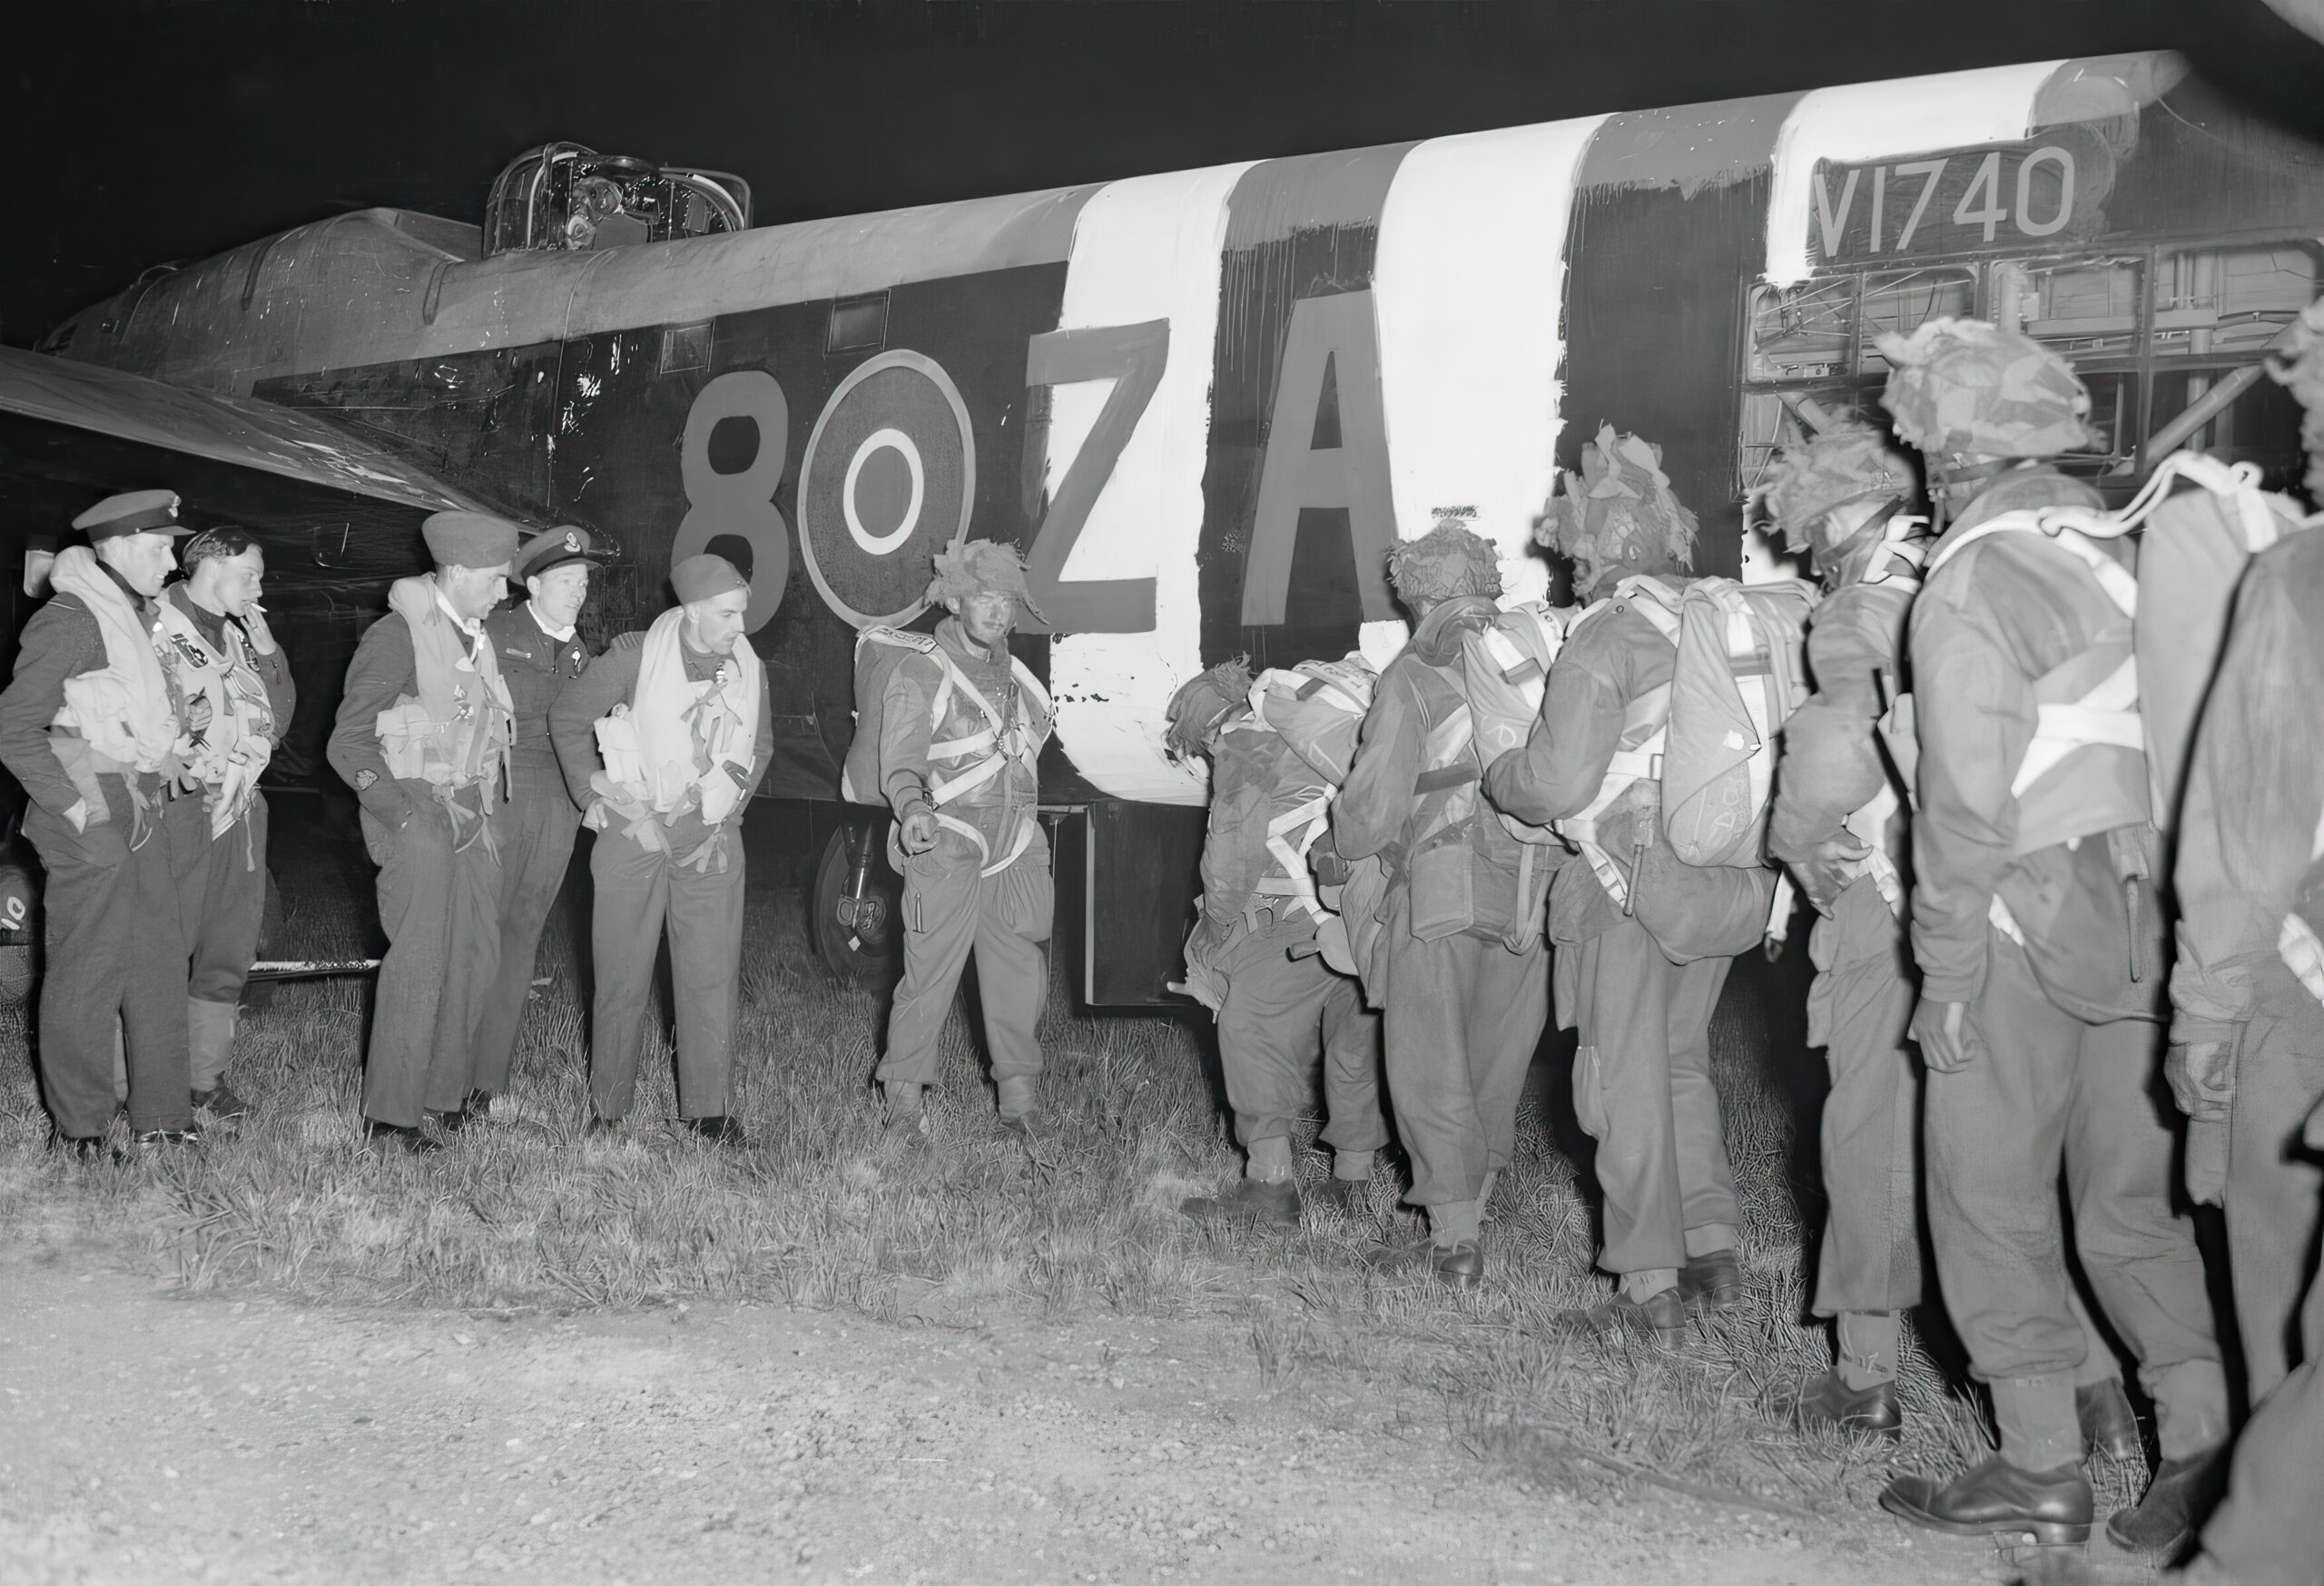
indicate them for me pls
(366, 779)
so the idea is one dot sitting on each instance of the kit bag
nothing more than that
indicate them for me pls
(1318, 708)
(1741, 670)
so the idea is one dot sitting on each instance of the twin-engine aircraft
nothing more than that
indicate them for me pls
(1204, 403)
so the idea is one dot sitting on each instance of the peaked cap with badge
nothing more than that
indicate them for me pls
(134, 512)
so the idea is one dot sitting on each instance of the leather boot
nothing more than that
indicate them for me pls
(2178, 1500)
(1660, 1316)
(1248, 1201)
(2109, 1425)
(719, 1131)
(1712, 1283)
(1351, 1198)
(1997, 1499)
(1020, 1105)
(1458, 1266)
(1826, 1404)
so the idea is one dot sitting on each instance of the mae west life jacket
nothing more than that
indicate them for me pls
(981, 739)
(2114, 724)
(226, 719)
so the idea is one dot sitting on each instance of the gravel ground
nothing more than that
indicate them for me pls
(150, 1438)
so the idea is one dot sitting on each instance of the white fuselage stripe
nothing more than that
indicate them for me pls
(1144, 248)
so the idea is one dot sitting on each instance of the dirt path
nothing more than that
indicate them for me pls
(151, 1439)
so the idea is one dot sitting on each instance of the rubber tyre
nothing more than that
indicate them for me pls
(872, 958)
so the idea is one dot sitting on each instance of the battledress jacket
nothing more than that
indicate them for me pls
(2254, 799)
(611, 680)
(1378, 812)
(1615, 658)
(62, 640)
(537, 668)
(1981, 633)
(1832, 763)
(996, 806)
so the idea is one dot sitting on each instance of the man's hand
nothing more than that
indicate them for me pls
(917, 830)
(1825, 874)
(1947, 1035)
(261, 636)
(2202, 1074)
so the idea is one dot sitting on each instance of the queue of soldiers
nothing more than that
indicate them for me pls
(1962, 750)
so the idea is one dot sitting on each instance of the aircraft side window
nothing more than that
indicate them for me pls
(1803, 332)
(1903, 300)
(2214, 302)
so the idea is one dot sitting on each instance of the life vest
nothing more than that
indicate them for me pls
(1637, 752)
(456, 732)
(227, 721)
(972, 739)
(117, 718)
(1741, 670)
(2298, 942)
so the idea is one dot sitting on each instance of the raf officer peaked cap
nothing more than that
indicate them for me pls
(138, 512)
(552, 547)
(469, 539)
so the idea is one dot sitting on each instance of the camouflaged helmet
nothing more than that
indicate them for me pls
(1811, 479)
(1619, 513)
(981, 566)
(2301, 369)
(1202, 702)
(1450, 559)
(1965, 387)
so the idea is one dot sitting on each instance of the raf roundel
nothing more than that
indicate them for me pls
(888, 479)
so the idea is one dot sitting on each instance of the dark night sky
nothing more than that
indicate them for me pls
(171, 131)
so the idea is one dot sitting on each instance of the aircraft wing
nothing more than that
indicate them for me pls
(234, 430)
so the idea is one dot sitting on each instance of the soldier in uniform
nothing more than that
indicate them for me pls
(235, 697)
(976, 865)
(1840, 821)
(670, 731)
(540, 653)
(1644, 939)
(87, 728)
(422, 736)
(2040, 941)
(1254, 962)
(1463, 980)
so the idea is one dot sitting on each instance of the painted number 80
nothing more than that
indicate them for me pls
(741, 503)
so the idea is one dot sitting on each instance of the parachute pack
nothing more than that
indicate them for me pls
(1742, 670)
(1505, 669)
(2116, 724)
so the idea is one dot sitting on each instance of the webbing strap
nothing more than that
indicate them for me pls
(1296, 880)
(2108, 715)
(2302, 953)
(943, 790)
(984, 849)
(1869, 826)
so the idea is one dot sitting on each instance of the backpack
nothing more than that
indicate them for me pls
(1741, 670)
(1504, 670)
(2116, 724)
(1318, 707)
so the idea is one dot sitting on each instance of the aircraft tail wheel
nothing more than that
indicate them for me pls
(858, 921)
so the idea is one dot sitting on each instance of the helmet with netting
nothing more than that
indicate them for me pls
(1619, 511)
(1202, 701)
(1815, 476)
(1963, 386)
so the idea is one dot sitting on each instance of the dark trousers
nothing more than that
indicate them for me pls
(441, 911)
(1461, 1017)
(640, 894)
(2046, 1090)
(951, 909)
(114, 954)
(1276, 1008)
(537, 834)
(1642, 1089)
(1858, 1012)
(2274, 1188)
(221, 903)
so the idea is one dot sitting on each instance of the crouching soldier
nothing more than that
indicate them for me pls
(1254, 962)
(87, 728)
(540, 653)
(1461, 963)
(1644, 939)
(236, 696)
(422, 736)
(2040, 939)
(960, 727)
(670, 730)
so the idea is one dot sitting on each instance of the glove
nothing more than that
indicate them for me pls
(2201, 1076)
(1948, 1037)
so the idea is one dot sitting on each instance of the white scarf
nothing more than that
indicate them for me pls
(123, 712)
(686, 736)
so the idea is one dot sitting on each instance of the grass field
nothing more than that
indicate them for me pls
(827, 1211)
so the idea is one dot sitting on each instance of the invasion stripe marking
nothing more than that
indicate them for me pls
(1470, 288)
(1144, 248)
